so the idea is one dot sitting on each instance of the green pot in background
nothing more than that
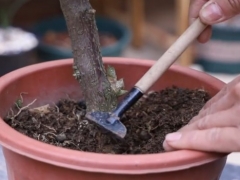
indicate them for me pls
(50, 52)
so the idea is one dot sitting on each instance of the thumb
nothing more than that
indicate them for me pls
(212, 140)
(215, 11)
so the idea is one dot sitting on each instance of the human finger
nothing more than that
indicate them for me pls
(215, 11)
(212, 140)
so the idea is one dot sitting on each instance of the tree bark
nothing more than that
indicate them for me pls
(88, 66)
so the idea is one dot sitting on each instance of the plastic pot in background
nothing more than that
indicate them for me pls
(58, 24)
(30, 159)
(222, 53)
(17, 49)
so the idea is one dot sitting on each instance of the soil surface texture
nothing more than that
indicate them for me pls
(147, 122)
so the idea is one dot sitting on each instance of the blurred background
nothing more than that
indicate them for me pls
(127, 28)
(34, 31)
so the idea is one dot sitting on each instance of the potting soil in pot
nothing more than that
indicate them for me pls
(155, 115)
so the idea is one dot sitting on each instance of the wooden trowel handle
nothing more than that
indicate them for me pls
(170, 56)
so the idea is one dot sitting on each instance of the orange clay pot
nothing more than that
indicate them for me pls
(29, 159)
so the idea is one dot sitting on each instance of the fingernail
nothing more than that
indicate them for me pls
(173, 136)
(211, 12)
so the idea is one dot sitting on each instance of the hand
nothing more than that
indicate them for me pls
(212, 12)
(217, 126)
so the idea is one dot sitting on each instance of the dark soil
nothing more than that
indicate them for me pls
(147, 122)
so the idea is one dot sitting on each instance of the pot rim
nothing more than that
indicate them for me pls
(97, 162)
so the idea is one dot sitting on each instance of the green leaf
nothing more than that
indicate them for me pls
(111, 72)
(19, 103)
(116, 85)
(120, 84)
(121, 92)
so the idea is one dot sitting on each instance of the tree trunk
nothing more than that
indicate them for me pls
(88, 66)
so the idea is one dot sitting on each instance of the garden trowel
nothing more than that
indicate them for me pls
(110, 121)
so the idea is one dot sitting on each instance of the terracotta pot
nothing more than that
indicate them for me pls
(29, 159)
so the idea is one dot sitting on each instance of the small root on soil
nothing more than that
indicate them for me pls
(22, 108)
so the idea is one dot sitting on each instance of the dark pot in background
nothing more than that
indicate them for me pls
(12, 62)
(18, 49)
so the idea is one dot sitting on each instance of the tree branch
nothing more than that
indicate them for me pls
(88, 65)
